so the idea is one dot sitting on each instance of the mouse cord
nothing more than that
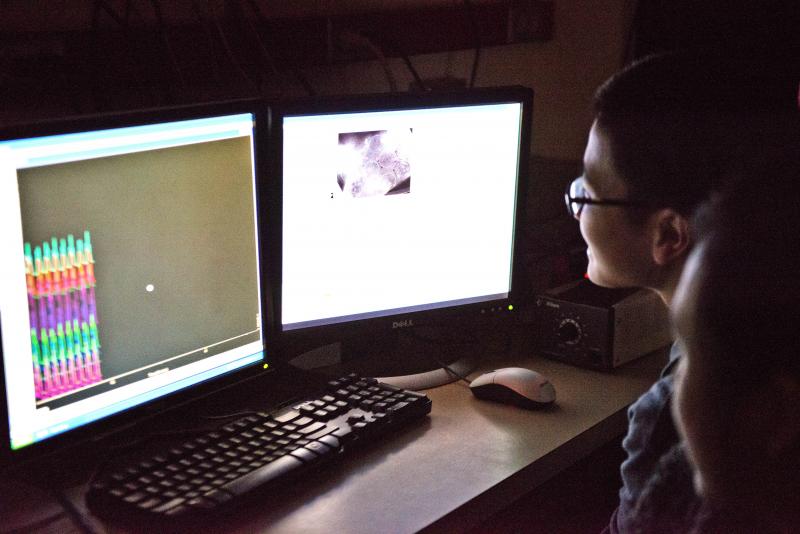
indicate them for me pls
(68, 509)
(78, 518)
(442, 343)
(36, 525)
(451, 370)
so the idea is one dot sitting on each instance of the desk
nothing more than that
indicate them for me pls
(470, 459)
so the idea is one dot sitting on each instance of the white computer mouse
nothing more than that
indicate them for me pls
(515, 385)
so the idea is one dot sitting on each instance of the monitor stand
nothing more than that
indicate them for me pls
(454, 371)
(399, 358)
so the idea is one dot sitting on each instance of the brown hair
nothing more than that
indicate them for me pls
(677, 122)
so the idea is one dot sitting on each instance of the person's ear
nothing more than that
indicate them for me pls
(671, 238)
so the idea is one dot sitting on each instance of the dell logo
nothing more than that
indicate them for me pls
(403, 324)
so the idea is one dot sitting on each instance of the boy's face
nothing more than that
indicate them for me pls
(618, 249)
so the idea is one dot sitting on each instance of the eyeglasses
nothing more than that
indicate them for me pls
(577, 197)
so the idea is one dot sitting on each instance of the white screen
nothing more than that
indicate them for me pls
(442, 235)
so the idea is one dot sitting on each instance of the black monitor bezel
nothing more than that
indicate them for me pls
(110, 425)
(291, 343)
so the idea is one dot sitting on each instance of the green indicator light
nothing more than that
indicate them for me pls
(510, 307)
(266, 366)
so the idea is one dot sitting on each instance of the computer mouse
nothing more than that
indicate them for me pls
(515, 385)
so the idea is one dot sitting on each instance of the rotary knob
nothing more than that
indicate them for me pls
(569, 331)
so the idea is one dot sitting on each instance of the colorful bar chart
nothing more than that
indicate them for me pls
(63, 315)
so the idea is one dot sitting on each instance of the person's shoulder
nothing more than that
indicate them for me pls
(651, 430)
(656, 397)
(668, 502)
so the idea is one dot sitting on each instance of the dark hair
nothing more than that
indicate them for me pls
(677, 121)
(749, 300)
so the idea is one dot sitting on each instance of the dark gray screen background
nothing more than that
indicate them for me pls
(178, 218)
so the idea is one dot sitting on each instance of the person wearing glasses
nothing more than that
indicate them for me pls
(667, 131)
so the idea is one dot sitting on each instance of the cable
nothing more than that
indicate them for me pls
(450, 370)
(68, 508)
(36, 525)
(228, 415)
(295, 71)
(261, 47)
(78, 518)
(477, 35)
(420, 83)
(128, 9)
(133, 46)
(226, 45)
(162, 31)
(123, 23)
(215, 68)
(357, 40)
(470, 339)
(247, 412)
(304, 81)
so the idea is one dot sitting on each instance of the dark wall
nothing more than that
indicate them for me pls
(769, 26)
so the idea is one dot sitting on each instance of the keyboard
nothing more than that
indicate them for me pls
(256, 452)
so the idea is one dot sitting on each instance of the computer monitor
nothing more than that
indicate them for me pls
(396, 211)
(129, 278)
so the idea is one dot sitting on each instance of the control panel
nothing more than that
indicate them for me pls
(589, 326)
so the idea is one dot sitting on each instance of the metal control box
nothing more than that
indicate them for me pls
(600, 328)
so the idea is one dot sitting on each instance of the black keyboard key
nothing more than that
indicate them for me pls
(202, 503)
(287, 416)
(169, 504)
(322, 432)
(303, 421)
(152, 502)
(311, 428)
(305, 455)
(218, 496)
(330, 441)
(280, 467)
(133, 498)
(307, 409)
(398, 406)
(318, 448)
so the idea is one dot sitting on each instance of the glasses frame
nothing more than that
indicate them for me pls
(580, 202)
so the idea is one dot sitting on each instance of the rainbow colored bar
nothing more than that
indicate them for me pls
(63, 315)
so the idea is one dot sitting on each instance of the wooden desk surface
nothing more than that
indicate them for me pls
(466, 461)
(470, 459)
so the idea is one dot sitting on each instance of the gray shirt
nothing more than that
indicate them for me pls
(651, 433)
